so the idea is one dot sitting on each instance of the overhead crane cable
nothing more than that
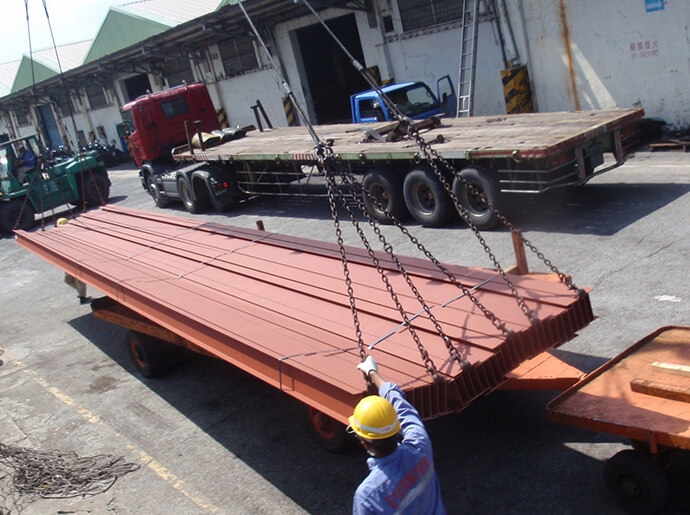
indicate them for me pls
(429, 155)
(327, 160)
(392, 106)
(413, 131)
(283, 80)
(42, 171)
(324, 152)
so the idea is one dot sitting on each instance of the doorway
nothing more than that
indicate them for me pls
(50, 127)
(329, 73)
(137, 86)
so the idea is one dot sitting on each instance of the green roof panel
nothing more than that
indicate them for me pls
(26, 77)
(121, 29)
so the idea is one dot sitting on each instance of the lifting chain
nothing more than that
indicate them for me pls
(329, 166)
(490, 315)
(433, 157)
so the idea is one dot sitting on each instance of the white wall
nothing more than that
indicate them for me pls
(604, 67)
(238, 94)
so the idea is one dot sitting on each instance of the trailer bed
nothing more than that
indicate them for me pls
(639, 395)
(518, 136)
(276, 306)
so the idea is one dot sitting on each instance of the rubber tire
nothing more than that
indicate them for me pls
(151, 356)
(96, 189)
(330, 434)
(386, 187)
(155, 192)
(637, 483)
(481, 216)
(9, 216)
(426, 199)
(187, 196)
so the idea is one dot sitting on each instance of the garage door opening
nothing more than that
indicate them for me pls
(330, 75)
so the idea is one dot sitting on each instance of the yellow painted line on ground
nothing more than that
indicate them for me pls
(144, 458)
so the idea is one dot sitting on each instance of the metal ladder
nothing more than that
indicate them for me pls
(468, 51)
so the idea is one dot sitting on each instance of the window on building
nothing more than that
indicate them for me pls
(64, 103)
(238, 56)
(22, 116)
(96, 96)
(178, 70)
(419, 14)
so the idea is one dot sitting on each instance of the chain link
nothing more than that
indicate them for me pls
(331, 166)
(433, 157)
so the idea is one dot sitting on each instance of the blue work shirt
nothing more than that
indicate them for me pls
(28, 158)
(405, 481)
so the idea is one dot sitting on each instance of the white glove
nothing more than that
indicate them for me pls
(368, 365)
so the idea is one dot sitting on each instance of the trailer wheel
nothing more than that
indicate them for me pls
(386, 188)
(426, 199)
(16, 214)
(151, 356)
(191, 204)
(155, 192)
(329, 433)
(477, 203)
(96, 189)
(637, 483)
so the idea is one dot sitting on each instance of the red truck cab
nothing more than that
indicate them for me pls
(156, 121)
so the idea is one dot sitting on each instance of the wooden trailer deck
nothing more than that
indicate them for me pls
(523, 136)
(643, 394)
(276, 306)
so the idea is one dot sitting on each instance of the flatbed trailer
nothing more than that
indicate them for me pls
(500, 156)
(643, 395)
(276, 307)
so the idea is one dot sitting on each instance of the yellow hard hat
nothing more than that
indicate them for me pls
(374, 418)
(61, 221)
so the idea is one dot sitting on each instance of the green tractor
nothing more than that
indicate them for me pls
(30, 183)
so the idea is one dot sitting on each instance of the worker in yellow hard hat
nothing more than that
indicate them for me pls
(402, 478)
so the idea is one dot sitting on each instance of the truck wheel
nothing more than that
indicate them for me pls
(386, 188)
(96, 189)
(637, 483)
(426, 199)
(477, 203)
(187, 195)
(329, 433)
(155, 192)
(16, 214)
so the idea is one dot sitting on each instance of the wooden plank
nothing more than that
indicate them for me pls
(671, 368)
(665, 391)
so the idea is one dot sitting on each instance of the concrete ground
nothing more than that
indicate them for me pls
(211, 439)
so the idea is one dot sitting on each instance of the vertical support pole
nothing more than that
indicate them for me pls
(197, 126)
(189, 138)
(519, 249)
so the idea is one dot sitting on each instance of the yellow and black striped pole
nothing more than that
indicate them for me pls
(222, 118)
(516, 90)
(290, 113)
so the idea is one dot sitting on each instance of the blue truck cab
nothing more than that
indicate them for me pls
(414, 99)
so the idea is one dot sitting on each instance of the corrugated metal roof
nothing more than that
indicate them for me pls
(46, 64)
(171, 12)
(130, 23)
(8, 71)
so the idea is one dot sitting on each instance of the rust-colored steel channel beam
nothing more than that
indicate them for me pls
(275, 306)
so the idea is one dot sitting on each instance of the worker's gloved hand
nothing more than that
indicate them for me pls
(368, 365)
